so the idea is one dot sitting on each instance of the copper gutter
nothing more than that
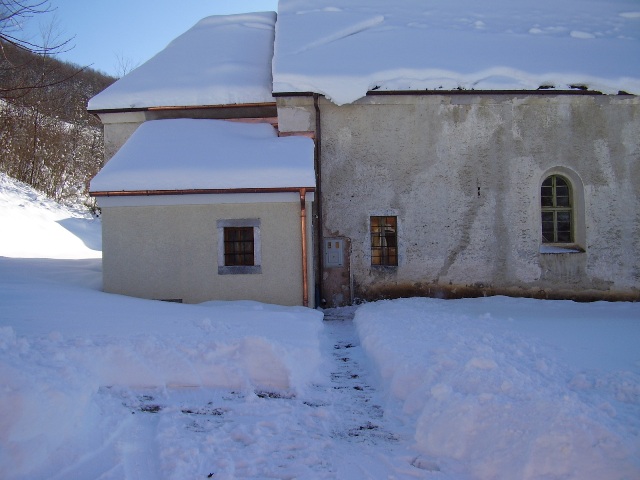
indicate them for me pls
(306, 134)
(196, 191)
(303, 229)
(183, 107)
(540, 91)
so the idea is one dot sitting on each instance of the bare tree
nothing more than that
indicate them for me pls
(124, 65)
(14, 14)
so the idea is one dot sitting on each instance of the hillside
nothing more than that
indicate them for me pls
(47, 138)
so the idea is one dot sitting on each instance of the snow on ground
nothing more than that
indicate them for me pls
(63, 343)
(342, 49)
(103, 386)
(512, 388)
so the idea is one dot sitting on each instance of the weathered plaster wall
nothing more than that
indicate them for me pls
(118, 127)
(171, 252)
(463, 174)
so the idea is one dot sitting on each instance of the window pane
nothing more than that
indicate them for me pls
(563, 201)
(563, 227)
(562, 192)
(547, 227)
(547, 192)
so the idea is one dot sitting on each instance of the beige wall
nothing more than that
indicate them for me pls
(171, 252)
(463, 175)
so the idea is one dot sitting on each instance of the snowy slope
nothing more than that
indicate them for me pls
(342, 49)
(34, 226)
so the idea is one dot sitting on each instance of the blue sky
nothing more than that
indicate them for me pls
(133, 30)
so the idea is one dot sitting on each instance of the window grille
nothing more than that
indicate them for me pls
(384, 241)
(556, 210)
(238, 246)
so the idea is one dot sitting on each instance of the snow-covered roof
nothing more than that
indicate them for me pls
(188, 154)
(222, 60)
(343, 48)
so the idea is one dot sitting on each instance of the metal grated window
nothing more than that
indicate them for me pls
(238, 246)
(556, 210)
(384, 241)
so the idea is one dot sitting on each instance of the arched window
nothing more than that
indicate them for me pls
(556, 200)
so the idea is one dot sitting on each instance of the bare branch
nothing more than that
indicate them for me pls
(14, 14)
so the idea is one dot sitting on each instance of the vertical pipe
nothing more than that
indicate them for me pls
(303, 229)
(318, 200)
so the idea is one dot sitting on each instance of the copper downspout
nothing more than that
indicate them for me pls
(303, 228)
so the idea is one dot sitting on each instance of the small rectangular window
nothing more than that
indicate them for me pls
(384, 240)
(238, 246)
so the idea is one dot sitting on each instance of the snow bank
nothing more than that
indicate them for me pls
(34, 226)
(61, 342)
(512, 388)
(222, 60)
(209, 154)
(342, 49)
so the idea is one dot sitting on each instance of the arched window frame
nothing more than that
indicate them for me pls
(577, 240)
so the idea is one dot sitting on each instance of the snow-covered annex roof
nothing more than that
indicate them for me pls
(222, 60)
(344, 48)
(188, 154)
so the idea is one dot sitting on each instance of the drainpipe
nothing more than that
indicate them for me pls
(318, 199)
(303, 229)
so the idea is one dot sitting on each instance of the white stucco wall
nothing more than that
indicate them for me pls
(171, 252)
(463, 174)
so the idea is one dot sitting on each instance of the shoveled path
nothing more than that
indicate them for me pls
(335, 430)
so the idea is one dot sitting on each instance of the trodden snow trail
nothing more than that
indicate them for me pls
(334, 430)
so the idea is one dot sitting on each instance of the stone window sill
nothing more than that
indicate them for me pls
(554, 249)
(240, 270)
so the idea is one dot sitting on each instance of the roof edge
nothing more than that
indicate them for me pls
(539, 91)
(98, 111)
(197, 191)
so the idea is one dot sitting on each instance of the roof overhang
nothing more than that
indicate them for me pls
(266, 111)
(198, 191)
